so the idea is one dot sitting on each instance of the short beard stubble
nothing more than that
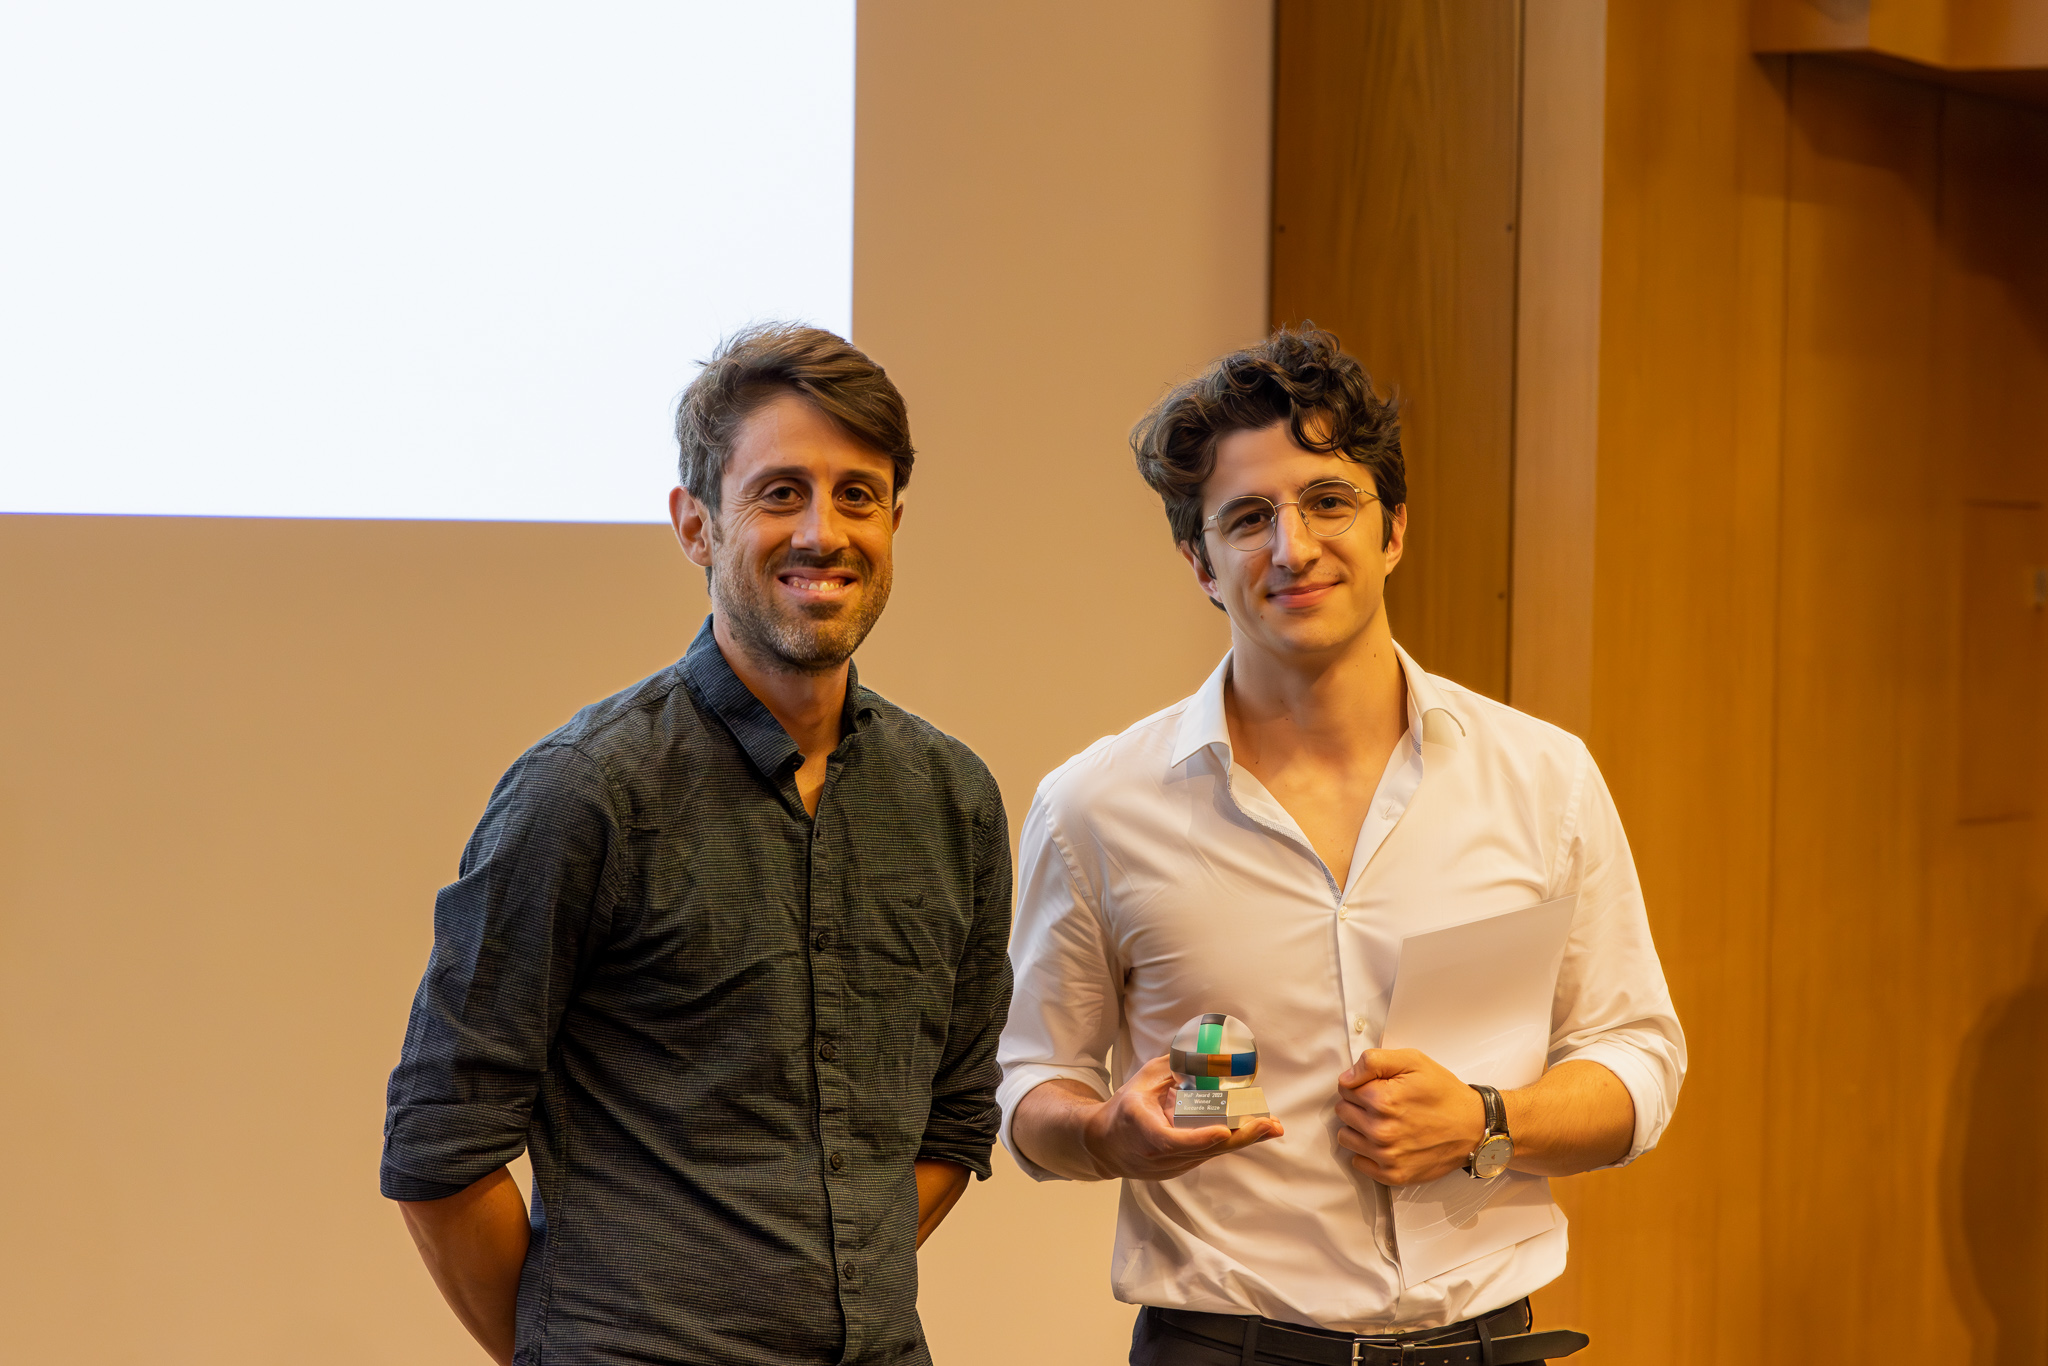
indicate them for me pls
(803, 640)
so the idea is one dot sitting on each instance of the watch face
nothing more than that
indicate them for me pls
(1493, 1157)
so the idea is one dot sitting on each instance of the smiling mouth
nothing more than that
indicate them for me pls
(1295, 591)
(815, 583)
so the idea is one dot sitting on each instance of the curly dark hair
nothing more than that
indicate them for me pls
(1299, 375)
(754, 365)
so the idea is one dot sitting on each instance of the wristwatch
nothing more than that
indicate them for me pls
(1496, 1149)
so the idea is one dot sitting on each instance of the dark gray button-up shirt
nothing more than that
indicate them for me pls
(725, 1029)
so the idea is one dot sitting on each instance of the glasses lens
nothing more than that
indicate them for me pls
(1329, 509)
(1245, 523)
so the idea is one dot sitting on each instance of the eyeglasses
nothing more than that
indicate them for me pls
(1327, 509)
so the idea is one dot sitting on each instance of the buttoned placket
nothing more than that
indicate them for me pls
(1362, 1020)
(1364, 1005)
(824, 938)
(1397, 787)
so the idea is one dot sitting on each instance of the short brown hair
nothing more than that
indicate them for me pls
(758, 363)
(1297, 375)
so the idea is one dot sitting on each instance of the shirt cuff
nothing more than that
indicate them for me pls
(1644, 1089)
(971, 1155)
(434, 1151)
(1020, 1081)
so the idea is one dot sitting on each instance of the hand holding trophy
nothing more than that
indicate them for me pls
(1215, 1060)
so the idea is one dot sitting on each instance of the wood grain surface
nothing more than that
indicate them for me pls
(1909, 964)
(1665, 1254)
(1557, 361)
(1865, 621)
(1964, 35)
(1394, 205)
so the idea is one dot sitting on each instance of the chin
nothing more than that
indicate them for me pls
(1309, 636)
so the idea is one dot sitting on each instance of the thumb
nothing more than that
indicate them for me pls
(1375, 1064)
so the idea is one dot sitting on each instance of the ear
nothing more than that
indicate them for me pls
(1398, 539)
(693, 526)
(896, 517)
(1202, 576)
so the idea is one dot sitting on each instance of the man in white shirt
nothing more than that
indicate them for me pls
(1262, 849)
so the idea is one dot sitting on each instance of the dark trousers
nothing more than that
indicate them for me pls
(1155, 1343)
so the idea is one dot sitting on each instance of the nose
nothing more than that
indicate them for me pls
(1294, 547)
(821, 530)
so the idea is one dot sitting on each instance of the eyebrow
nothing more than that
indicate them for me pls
(1304, 488)
(803, 472)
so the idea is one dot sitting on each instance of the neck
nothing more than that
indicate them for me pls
(1353, 700)
(807, 705)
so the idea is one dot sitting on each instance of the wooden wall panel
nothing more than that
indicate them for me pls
(1664, 1268)
(1909, 963)
(1557, 362)
(1394, 217)
(1992, 312)
(1954, 34)
(2004, 626)
(1985, 982)
(1863, 612)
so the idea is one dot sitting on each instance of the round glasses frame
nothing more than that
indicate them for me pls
(1260, 539)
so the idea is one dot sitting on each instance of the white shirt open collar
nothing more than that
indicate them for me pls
(1203, 723)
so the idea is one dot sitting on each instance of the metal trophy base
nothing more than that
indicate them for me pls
(1197, 1109)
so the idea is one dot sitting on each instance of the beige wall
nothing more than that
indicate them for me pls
(242, 754)
(1061, 208)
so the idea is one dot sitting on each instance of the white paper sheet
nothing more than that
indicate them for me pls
(1476, 997)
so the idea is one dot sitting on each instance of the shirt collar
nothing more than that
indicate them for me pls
(1202, 722)
(1439, 724)
(767, 745)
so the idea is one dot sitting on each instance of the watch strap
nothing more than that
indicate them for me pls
(1496, 1111)
(1496, 1125)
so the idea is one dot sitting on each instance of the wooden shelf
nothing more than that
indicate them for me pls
(1997, 48)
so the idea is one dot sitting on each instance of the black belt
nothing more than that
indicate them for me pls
(1497, 1339)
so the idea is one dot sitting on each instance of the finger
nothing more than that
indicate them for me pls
(1375, 1063)
(1366, 1166)
(1385, 1096)
(1361, 1143)
(1218, 1140)
(1155, 1073)
(1222, 1136)
(1256, 1131)
(1353, 1116)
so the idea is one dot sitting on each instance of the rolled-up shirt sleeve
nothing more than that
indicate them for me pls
(962, 1124)
(509, 936)
(1613, 1006)
(1067, 1005)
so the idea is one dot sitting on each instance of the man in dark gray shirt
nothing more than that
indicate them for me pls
(727, 951)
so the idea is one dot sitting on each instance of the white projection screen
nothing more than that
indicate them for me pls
(438, 259)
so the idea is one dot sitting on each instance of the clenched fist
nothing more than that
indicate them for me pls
(1406, 1118)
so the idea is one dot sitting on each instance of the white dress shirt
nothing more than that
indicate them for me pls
(1157, 880)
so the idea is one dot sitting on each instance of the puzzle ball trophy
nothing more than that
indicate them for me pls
(1215, 1061)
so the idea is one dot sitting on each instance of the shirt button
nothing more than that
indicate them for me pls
(822, 940)
(1358, 1025)
(829, 1051)
(839, 1162)
(846, 1273)
(1344, 914)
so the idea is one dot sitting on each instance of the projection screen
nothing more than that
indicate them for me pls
(440, 259)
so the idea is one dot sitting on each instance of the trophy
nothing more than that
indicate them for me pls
(1215, 1061)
